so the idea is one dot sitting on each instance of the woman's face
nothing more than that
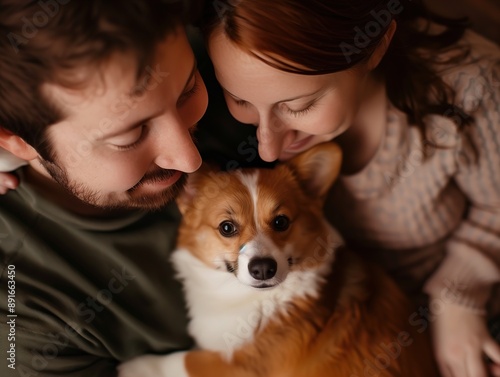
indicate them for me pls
(292, 112)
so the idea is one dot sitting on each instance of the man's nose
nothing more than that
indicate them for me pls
(175, 148)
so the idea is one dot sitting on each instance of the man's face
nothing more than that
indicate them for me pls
(126, 143)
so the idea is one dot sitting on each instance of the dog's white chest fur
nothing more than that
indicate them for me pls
(225, 313)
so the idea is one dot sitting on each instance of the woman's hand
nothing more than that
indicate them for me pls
(462, 343)
(8, 182)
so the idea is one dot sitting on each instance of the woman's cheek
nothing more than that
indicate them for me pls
(322, 122)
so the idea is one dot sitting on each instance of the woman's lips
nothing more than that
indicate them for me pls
(298, 145)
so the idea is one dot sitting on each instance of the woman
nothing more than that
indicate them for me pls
(411, 99)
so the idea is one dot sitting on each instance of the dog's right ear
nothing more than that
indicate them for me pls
(317, 168)
(190, 191)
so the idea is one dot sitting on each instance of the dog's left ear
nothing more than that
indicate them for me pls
(317, 168)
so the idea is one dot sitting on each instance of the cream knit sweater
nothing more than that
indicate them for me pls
(430, 215)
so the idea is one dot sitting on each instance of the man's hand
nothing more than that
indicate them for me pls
(462, 343)
(171, 365)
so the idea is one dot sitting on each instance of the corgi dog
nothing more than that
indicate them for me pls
(272, 292)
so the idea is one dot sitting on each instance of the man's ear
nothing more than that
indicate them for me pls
(17, 146)
(381, 49)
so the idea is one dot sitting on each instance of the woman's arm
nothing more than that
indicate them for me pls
(464, 281)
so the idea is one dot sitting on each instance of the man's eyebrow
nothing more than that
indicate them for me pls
(143, 121)
(126, 129)
(282, 101)
(138, 90)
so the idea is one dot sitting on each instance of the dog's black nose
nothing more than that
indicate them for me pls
(262, 268)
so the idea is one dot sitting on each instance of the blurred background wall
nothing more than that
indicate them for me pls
(484, 14)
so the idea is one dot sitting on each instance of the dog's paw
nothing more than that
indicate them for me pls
(171, 365)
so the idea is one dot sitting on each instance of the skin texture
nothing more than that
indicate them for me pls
(99, 158)
(459, 347)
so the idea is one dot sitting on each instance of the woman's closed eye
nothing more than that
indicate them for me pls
(295, 113)
(298, 113)
(240, 102)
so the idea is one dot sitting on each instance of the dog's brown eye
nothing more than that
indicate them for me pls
(227, 229)
(280, 223)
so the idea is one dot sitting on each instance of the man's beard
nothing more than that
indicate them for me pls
(132, 201)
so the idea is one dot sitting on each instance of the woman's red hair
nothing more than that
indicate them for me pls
(324, 36)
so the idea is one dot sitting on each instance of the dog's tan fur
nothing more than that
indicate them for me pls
(358, 326)
(341, 334)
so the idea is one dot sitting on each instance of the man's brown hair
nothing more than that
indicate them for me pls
(42, 41)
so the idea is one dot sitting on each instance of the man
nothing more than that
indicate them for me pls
(101, 97)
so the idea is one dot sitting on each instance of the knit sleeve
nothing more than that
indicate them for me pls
(472, 263)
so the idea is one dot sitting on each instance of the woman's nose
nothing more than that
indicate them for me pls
(271, 134)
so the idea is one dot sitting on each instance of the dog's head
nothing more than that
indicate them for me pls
(261, 224)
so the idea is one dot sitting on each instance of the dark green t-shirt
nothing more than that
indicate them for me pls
(88, 292)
